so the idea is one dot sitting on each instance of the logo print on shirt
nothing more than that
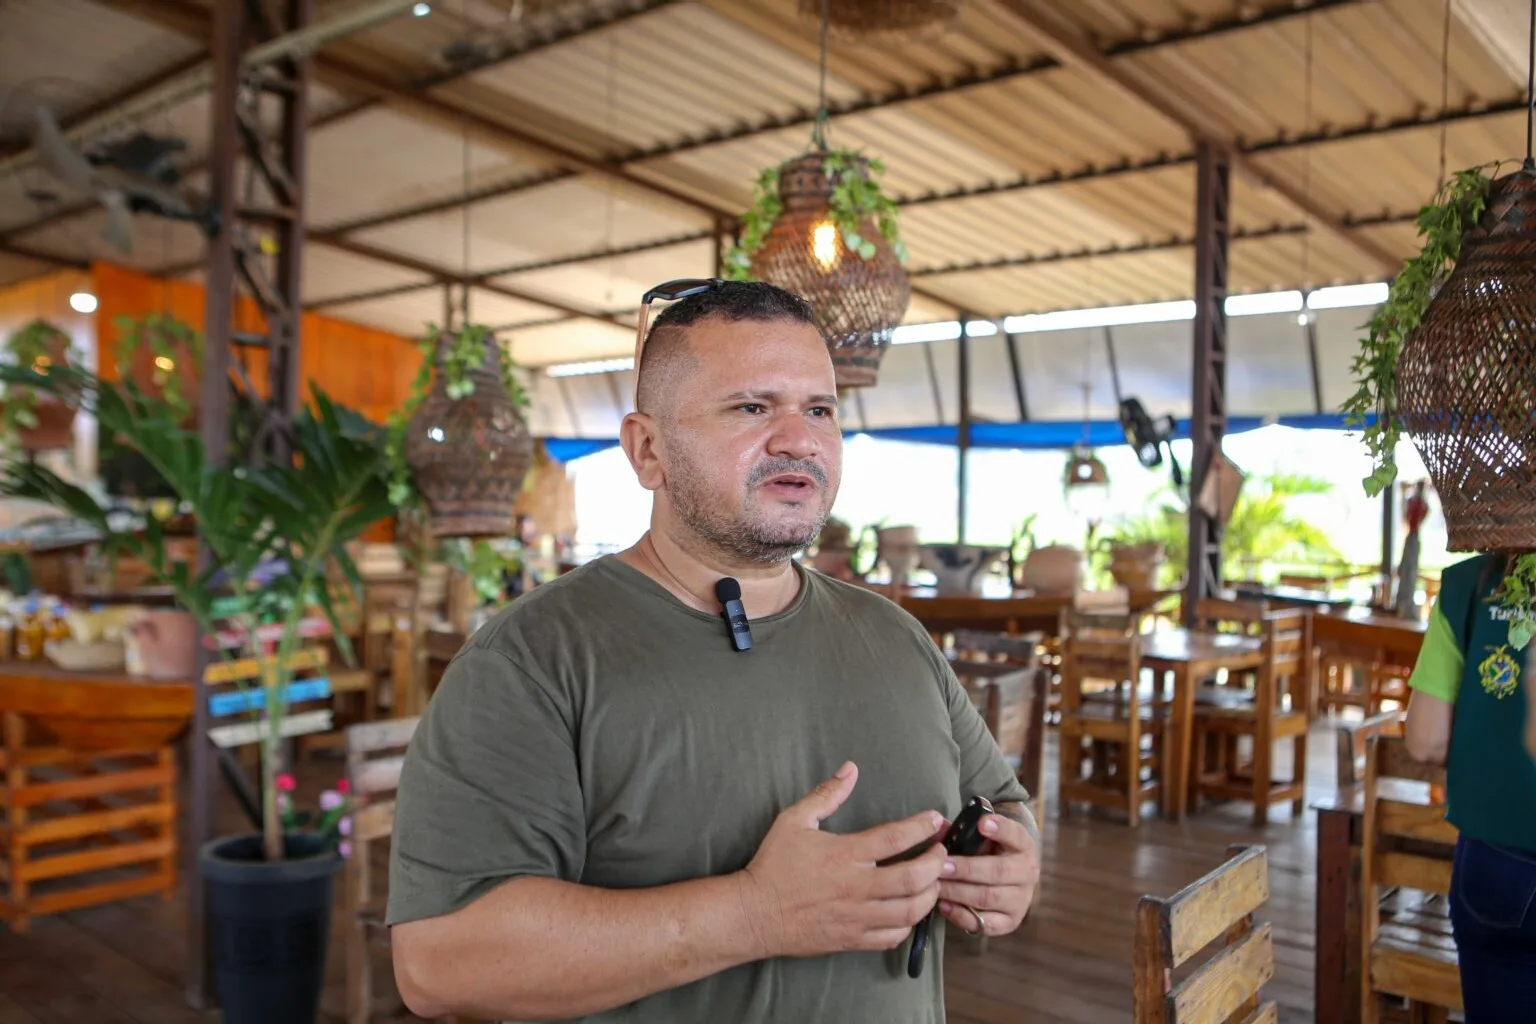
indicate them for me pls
(1499, 672)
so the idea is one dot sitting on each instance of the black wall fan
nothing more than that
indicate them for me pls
(1148, 436)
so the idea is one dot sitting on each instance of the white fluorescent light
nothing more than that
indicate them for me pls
(591, 366)
(421, 10)
(1346, 295)
(82, 302)
(1263, 302)
(980, 329)
(943, 330)
(1103, 316)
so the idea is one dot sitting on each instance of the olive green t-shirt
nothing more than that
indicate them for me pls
(600, 731)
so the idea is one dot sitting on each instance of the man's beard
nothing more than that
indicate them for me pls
(750, 538)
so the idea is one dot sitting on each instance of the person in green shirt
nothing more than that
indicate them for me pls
(609, 812)
(1468, 711)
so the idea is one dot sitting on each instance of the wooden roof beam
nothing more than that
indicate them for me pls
(1073, 49)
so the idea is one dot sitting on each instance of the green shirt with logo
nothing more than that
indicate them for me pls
(1467, 660)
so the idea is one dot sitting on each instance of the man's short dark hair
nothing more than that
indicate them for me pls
(666, 354)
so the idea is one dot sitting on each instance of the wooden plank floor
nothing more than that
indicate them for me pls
(1069, 964)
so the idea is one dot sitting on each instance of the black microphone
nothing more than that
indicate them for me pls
(728, 592)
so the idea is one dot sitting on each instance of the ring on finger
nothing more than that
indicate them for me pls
(981, 924)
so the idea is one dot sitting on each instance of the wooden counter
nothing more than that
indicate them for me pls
(1021, 613)
(89, 798)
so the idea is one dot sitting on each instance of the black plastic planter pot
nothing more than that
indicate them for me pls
(269, 925)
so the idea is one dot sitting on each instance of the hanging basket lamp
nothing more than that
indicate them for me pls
(1466, 377)
(1085, 483)
(821, 228)
(466, 446)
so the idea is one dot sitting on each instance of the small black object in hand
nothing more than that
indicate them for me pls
(964, 839)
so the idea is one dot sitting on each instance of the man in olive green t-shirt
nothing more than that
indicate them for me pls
(610, 813)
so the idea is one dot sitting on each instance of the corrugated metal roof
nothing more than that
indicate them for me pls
(698, 97)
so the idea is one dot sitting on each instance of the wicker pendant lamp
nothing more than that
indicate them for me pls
(1466, 377)
(849, 267)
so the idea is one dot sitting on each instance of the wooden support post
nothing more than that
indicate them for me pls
(1212, 227)
(963, 471)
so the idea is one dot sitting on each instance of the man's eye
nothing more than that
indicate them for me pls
(750, 407)
(823, 411)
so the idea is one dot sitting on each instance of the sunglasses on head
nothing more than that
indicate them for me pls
(671, 291)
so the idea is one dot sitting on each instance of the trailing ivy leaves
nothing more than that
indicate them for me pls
(856, 196)
(1455, 207)
(1515, 595)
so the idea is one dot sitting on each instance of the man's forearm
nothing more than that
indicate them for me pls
(538, 948)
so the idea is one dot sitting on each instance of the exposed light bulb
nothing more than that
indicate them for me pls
(82, 302)
(421, 10)
(1302, 319)
(165, 363)
(824, 244)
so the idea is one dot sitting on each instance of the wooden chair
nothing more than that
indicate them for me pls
(1218, 908)
(1274, 710)
(1123, 771)
(1352, 737)
(374, 759)
(1407, 949)
(1003, 675)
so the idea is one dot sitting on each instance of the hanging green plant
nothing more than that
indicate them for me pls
(455, 354)
(1516, 595)
(35, 345)
(1373, 407)
(856, 195)
(177, 347)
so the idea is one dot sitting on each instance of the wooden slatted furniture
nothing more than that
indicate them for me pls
(1407, 948)
(375, 755)
(88, 804)
(1117, 739)
(1013, 702)
(1352, 737)
(1218, 910)
(1272, 711)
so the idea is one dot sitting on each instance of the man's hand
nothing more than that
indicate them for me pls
(999, 882)
(810, 893)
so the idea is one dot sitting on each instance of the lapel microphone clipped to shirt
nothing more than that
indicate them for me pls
(728, 593)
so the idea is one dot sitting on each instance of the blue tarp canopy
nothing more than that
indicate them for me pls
(1029, 436)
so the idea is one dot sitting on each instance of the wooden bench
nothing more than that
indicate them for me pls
(1216, 910)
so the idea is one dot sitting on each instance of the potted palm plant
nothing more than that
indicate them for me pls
(272, 528)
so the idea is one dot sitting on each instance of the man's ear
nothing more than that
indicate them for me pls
(637, 436)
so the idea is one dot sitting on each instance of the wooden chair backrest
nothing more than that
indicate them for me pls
(1216, 908)
(1097, 647)
(1352, 737)
(1390, 820)
(374, 778)
(1230, 615)
(1022, 650)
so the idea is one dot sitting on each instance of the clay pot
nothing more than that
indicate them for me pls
(1053, 571)
(162, 644)
(897, 548)
(959, 568)
(468, 456)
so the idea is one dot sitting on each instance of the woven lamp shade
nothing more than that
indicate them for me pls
(859, 302)
(898, 20)
(1466, 378)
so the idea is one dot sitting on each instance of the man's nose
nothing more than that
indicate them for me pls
(792, 437)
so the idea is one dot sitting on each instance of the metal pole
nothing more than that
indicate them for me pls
(1212, 195)
(963, 472)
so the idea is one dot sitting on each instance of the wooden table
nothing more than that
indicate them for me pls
(1191, 656)
(90, 777)
(1023, 612)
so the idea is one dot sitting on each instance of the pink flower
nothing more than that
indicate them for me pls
(330, 800)
(286, 783)
(345, 849)
(344, 826)
(343, 786)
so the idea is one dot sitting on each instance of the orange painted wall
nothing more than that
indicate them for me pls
(367, 369)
